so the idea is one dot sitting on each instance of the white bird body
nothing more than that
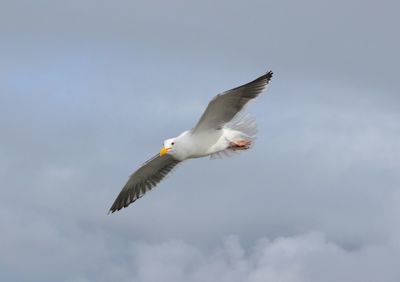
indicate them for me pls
(221, 130)
(189, 146)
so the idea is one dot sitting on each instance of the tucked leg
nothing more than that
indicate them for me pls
(240, 144)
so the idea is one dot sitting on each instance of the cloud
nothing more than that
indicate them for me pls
(90, 89)
(317, 165)
(303, 258)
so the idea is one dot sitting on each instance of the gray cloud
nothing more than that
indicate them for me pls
(89, 90)
(308, 257)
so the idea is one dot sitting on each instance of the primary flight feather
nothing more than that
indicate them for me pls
(221, 130)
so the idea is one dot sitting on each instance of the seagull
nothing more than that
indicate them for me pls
(222, 130)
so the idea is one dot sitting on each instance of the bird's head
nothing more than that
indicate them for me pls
(169, 147)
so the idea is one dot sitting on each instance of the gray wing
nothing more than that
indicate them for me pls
(225, 106)
(143, 180)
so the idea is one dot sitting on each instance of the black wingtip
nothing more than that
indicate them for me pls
(268, 75)
(265, 77)
(114, 209)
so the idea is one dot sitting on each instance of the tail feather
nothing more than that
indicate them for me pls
(242, 127)
(245, 124)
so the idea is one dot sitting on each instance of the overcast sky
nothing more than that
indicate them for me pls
(90, 89)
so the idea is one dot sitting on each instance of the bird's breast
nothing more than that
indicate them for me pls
(204, 144)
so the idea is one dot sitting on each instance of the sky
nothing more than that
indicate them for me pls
(90, 89)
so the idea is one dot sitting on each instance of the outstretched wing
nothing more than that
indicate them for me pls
(225, 106)
(143, 180)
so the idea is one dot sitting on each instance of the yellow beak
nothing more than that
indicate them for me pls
(163, 151)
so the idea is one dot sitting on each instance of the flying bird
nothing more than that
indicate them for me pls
(223, 129)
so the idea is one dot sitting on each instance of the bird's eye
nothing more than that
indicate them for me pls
(173, 143)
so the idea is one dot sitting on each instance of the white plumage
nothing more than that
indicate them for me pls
(221, 131)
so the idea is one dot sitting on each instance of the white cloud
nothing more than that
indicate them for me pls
(303, 258)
